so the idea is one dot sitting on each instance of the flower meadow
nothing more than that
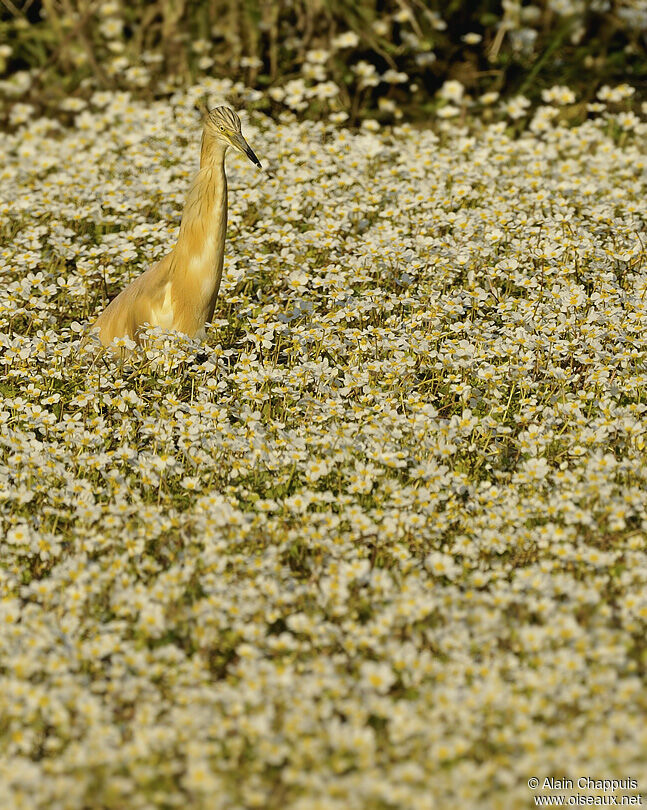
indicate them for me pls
(381, 542)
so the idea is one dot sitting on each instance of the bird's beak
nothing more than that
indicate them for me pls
(239, 142)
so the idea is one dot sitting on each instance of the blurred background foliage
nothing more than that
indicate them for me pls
(347, 59)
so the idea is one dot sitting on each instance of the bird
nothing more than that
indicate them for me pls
(179, 292)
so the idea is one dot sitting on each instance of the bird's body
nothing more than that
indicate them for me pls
(180, 291)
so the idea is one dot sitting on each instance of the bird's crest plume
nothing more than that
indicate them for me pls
(226, 116)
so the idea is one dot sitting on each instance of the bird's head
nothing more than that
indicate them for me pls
(223, 124)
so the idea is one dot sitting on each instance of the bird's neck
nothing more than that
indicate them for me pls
(200, 248)
(212, 152)
(204, 220)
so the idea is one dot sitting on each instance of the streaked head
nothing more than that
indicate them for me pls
(223, 124)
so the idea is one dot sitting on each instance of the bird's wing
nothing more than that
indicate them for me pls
(136, 304)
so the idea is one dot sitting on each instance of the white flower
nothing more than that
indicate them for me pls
(276, 93)
(442, 565)
(558, 94)
(615, 94)
(20, 113)
(516, 107)
(318, 56)
(151, 619)
(394, 77)
(348, 39)
(452, 90)
(448, 111)
(72, 104)
(376, 677)
(628, 120)
(19, 535)
(112, 28)
(489, 98)
(316, 470)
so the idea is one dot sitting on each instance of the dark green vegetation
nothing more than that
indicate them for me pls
(61, 47)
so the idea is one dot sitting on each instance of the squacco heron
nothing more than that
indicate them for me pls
(180, 291)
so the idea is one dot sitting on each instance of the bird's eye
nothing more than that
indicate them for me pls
(222, 129)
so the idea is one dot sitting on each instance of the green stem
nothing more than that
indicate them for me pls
(541, 61)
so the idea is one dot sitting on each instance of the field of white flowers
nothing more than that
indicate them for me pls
(383, 545)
